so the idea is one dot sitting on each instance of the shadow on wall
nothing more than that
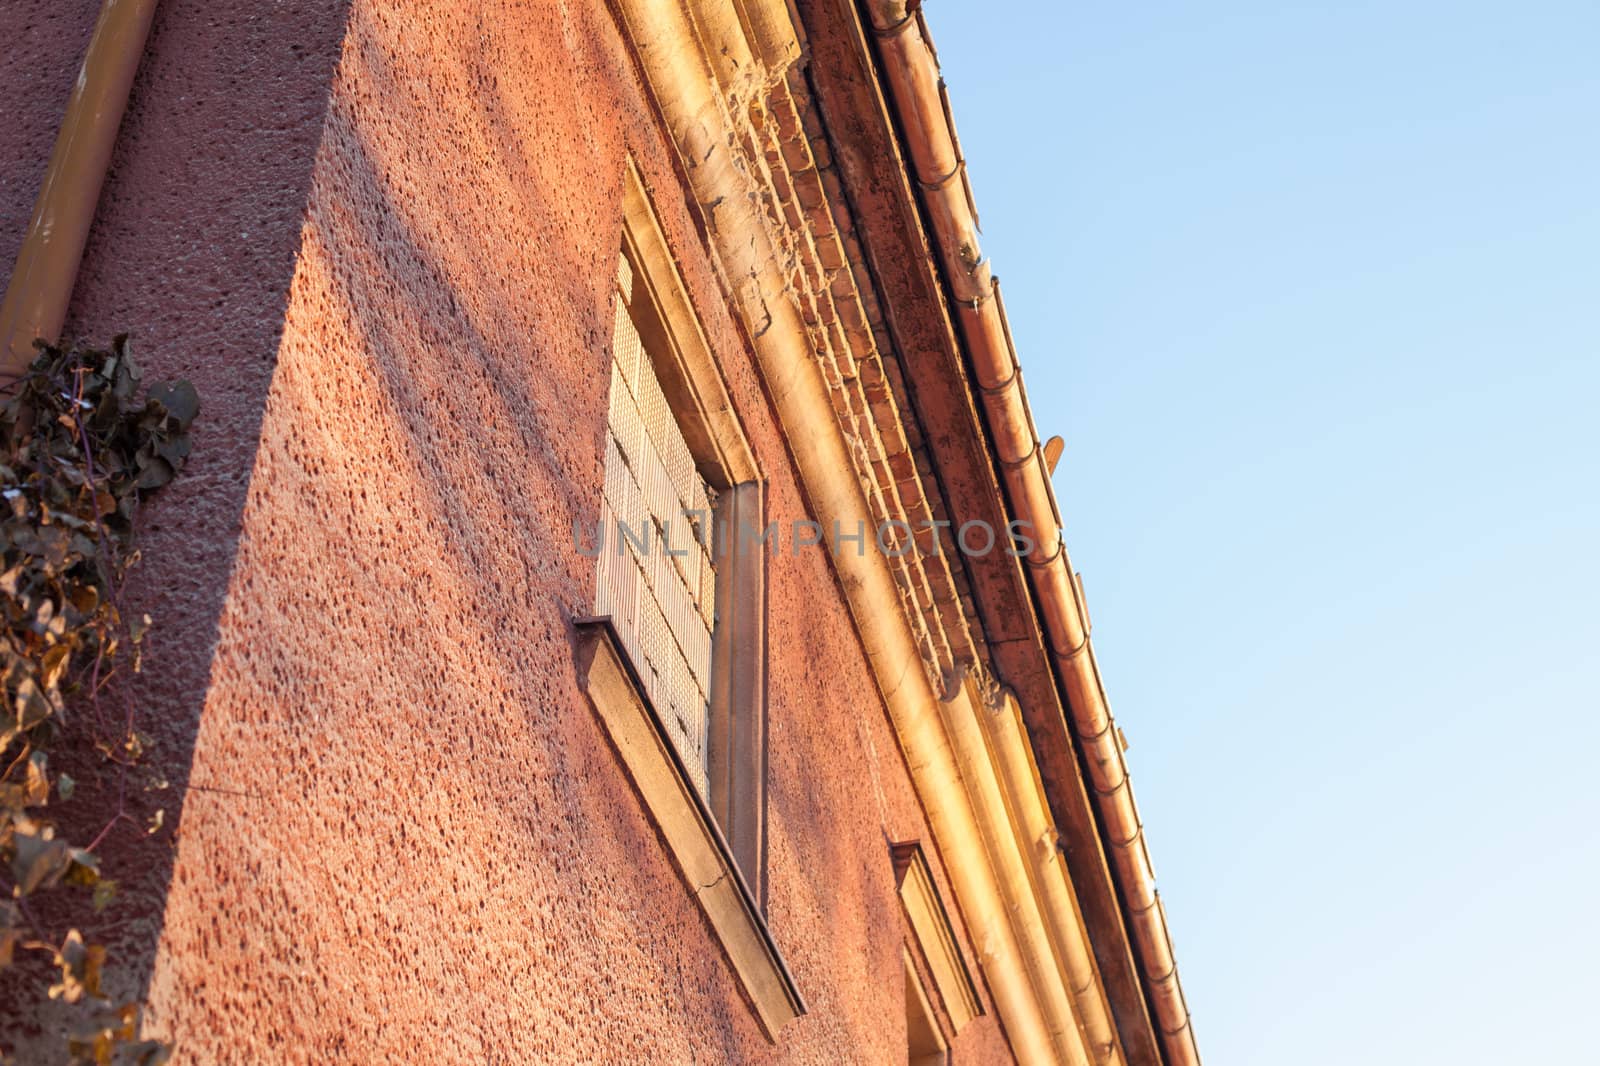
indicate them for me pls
(391, 704)
(398, 368)
(370, 369)
(192, 252)
(45, 41)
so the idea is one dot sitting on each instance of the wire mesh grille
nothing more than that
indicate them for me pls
(656, 577)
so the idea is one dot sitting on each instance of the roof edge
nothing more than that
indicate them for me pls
(916, 92)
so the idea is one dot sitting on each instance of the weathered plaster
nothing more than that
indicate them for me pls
(389, 278)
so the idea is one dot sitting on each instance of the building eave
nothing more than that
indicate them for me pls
(908, 81)
(783, 238)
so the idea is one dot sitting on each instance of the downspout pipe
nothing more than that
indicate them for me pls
(918, 97)
(40, 289)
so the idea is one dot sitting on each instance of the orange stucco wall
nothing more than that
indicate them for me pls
(379, 237)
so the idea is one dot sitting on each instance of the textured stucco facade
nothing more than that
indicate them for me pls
(402, 816)
(380, 240)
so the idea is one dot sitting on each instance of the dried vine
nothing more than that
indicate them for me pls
(78, 452)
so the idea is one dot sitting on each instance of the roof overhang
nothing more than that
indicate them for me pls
(876, 79)
(794, 147)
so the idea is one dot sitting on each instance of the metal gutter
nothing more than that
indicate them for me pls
(41, 283)
(917, 94)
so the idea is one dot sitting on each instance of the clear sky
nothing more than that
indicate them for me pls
(1312, 291)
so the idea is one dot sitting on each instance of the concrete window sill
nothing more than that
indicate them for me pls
(698, 848)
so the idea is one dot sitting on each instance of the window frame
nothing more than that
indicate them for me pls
(718, 840)
(934, 934)
(698, 395)
(687, 827)
(925, 1041)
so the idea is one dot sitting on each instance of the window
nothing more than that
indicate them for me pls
(674, 658)
(657, 576)
(925, 1045)
(929, 924)
(683, 590)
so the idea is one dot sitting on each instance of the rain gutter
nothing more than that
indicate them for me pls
(917, 94)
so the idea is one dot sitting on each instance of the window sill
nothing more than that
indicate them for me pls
(686, 824)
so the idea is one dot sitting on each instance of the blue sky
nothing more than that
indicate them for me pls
(1313, 294)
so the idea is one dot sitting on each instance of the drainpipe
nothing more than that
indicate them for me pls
(918, 97)
(41, 284)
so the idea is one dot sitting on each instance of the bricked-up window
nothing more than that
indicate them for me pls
(657, 579)
(686, 600)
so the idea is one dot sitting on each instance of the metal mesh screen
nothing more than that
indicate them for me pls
(657, 583)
